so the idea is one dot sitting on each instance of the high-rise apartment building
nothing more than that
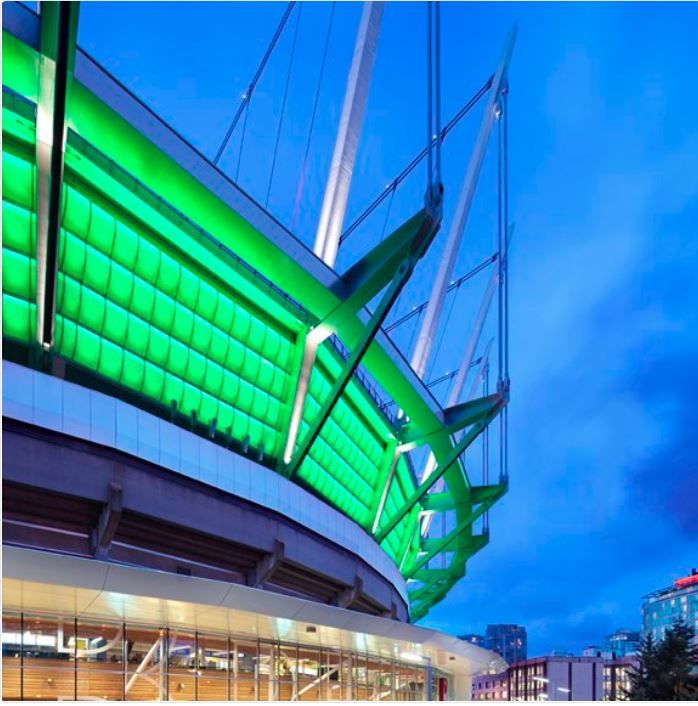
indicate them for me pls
(678, 602)
(507, 640)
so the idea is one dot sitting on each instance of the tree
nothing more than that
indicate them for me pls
(666, 670)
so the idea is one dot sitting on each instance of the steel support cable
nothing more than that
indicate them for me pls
(437, 83)
(446, 376)
(409, 345)
(447, 391)
(505, 218)
(486, 449)
(283, 104)
(387, 214)
(504, 284)
(451, 374)
(501, 245)
(433, 100)
(242, 143)
(436, 381)
(454, 285)
(444, 329)
(301, 181)
(430, 109)
(417, 159)
(247, 96)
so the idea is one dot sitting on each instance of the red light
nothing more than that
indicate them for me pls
(686, 581)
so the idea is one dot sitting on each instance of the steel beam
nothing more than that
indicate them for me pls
(457, 417)
(443, 580)
(425, 340)
(427, 484)
(428, 543)
(348, 369)
(419, 235)
(485, 493)
(334, 203)
(266, 567)
(350, 594)
(438, 502)
(103, 533)
(478, 493)
(406, 545)
(357, 286)
(313, 684)
(350, 365)
(308, 355)
(424, 597)
(469, 353)
(430, 576)
(444, 542)
(385, 479)
(369, 275)
(59, 26)
(437, 582)
(480, 372)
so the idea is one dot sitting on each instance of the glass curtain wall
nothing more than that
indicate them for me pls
(54, 658)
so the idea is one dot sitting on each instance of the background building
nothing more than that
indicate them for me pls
(544, 679)
(619, 644)
(507, 640)
(473, 639)
(491, 687)
(623, 642)
(678, 602)
(616, 680)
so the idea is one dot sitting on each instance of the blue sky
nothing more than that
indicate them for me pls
(604, 193)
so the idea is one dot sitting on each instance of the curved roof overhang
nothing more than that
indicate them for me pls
(37, 581)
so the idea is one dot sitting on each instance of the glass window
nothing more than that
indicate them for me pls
(244, 686)
(181, 666)
(286, 672)
(267, 672)
(387, 681)
(100, 656)
(99, 644)
(405, 684)
(11, 656)
(215, 655)
(48, 648)
(330, 689)
(346, 687)
(373, 678)
(181, 653)
(361, 677)
(145, 664)
(308, 674)
(215, 663)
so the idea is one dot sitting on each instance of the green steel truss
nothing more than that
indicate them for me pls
(165, 293)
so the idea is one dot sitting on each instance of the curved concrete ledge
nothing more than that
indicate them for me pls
(49, 402)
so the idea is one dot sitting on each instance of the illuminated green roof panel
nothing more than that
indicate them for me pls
(18, 229)
(185, 340)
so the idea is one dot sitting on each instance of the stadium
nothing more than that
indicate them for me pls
(208, 484)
